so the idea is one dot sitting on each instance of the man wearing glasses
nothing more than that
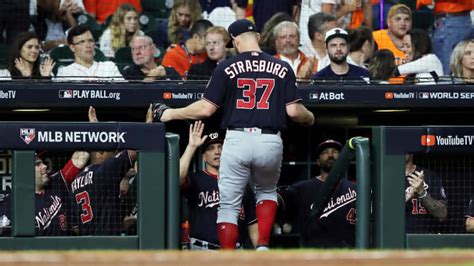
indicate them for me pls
(82, 44)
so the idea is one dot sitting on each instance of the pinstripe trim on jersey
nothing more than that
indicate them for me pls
(295, 101)
(211, 102)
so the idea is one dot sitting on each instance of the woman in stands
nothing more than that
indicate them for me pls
(176, 29)
(361, 43)
(123, 27)
(423, 66)
(462, 62)
(382, 67)
(24, 58)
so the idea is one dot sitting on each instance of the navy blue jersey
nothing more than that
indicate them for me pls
(51, 217)
(253, 88)
(96, 192)
(336, 225)
(202, 194)
(418, 219)
(354, 73)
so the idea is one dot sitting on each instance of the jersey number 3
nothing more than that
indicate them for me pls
(83, 199)
(250, 87)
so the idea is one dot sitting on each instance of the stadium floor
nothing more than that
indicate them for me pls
(247, 258)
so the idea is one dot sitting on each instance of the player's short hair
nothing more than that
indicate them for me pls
(76, 31)
(317, 21)
(219, 30)
(200, 27)
(285, 24)
(330, 143)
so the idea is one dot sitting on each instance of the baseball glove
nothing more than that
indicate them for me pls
(158, 110)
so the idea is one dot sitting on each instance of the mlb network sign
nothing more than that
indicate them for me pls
(450, 140)
(30, 134)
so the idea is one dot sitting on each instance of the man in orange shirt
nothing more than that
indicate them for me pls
(101, 10)
(181, 56)
(399, 22)
(452, 25)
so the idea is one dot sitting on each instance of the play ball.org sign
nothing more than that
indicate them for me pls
(27, 134)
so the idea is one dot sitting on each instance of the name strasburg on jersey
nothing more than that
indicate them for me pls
(247, 66)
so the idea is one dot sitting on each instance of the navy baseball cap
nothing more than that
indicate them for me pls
(238, 27)
(330, 143)
(213, 137)
(334, 33)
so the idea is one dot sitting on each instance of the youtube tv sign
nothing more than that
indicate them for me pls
(450, 140)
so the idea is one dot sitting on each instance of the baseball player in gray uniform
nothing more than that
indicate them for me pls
(256, 93)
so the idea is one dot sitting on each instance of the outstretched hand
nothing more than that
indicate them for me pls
(195, 134)
(47, 67)
(149, 114)
(417, 182)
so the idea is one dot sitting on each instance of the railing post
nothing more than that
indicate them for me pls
(172, 187)
(23, 194)
(362, 153)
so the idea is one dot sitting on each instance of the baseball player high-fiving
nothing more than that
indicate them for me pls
(256, 93)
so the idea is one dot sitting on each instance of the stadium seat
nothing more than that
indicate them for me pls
(3, 55)
(160, 51)
(89, 21)
(156, 8)
(147, 22)
(123, 57)
(63, 56)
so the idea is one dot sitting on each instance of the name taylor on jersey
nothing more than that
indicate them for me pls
(246, 66)
(82, 181)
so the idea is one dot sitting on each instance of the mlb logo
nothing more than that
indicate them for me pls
(428, 140)
(424, 95)
(27, 134)
(200, 95)
(314, 96)
(167, 95)
(65, 94)
(389, 95)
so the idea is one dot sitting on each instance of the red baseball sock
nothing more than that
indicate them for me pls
(228, 234)
(266, 210)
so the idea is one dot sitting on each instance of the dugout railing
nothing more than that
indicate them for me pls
(389, 146)
(154, 231)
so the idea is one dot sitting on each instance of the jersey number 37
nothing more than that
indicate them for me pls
(249, 87)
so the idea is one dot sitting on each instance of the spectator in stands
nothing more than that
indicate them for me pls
(382, 66)
(423, 66)
(54, 18)
(145, 67)
(350, 14)
(176, 30)
(101, 10)
(203, 214)
(425, 198)
(14, 18)
(222, 12)
(267, 40)
(462, 62)
(452, 25)
(263, 10)
(361, 43)
(193, 51)
(287, 40)
(24, 58)
(121, 30)
(399, 22)
(318, 25)
(82, 44)
(337, 45)
(470, 216)
(216, 41)
(335, 227)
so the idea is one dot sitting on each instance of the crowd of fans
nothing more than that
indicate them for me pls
(294, 31)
